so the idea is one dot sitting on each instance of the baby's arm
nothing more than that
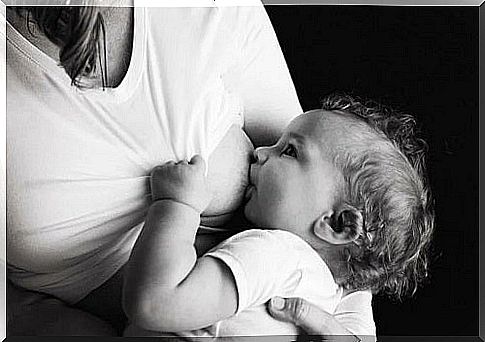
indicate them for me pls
(166, 287)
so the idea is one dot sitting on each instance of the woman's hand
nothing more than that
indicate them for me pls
(313, 320)
(182, 182)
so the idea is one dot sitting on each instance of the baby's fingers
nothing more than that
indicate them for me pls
(198, 161)
(157, 170)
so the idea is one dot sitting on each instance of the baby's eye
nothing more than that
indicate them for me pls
(290, 150)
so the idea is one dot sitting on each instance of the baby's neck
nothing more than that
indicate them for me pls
(332, 255)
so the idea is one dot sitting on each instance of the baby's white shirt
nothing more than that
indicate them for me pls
(268, 263)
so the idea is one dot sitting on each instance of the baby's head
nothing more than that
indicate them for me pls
(350, 176)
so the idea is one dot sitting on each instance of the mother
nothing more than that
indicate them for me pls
(157, 84)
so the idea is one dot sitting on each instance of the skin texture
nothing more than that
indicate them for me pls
(227, 176)
(294, 181)
(295, 185)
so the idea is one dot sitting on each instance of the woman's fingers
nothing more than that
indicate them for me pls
(313, 320)
(296, 311)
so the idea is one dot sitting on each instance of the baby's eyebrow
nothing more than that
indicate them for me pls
(300, 139)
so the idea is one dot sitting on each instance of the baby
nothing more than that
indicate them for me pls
(341, 203)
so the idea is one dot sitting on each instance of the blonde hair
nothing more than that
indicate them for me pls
(386, 197)
(80, 33)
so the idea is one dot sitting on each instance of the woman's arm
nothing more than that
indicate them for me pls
(166, 287)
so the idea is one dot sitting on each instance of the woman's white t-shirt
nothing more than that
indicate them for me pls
(78, 160)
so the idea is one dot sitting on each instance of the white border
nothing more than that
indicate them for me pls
(3, 140)
(378, 3)
(139, 3)
(226, 3)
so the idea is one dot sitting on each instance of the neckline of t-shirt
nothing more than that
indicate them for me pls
(127, 86)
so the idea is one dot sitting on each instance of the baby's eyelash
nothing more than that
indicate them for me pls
(291, 149)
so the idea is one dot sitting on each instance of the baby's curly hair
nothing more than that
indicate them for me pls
(385, 197)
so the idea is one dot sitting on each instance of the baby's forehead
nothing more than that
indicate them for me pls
(322, 123)
(334, 118)
(335, 130)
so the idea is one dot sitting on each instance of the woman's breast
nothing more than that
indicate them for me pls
(228, 169)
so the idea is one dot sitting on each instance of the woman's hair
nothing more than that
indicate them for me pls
(386, 197)
(79, 31)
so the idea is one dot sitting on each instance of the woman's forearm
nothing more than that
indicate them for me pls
(162, 257)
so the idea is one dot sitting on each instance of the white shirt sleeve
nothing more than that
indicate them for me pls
(354, 312)
(262, 264)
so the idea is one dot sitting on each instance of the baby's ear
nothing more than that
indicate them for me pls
(339, 228)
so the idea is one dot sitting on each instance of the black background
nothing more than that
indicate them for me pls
(423, 60)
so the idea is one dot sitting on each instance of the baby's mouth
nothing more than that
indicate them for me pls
(249, 191)
(250, 188)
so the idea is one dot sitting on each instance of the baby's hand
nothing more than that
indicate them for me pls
(182, 182)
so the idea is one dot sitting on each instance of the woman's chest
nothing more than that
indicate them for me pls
(98, 158)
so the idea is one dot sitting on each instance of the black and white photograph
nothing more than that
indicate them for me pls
(242, 169)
